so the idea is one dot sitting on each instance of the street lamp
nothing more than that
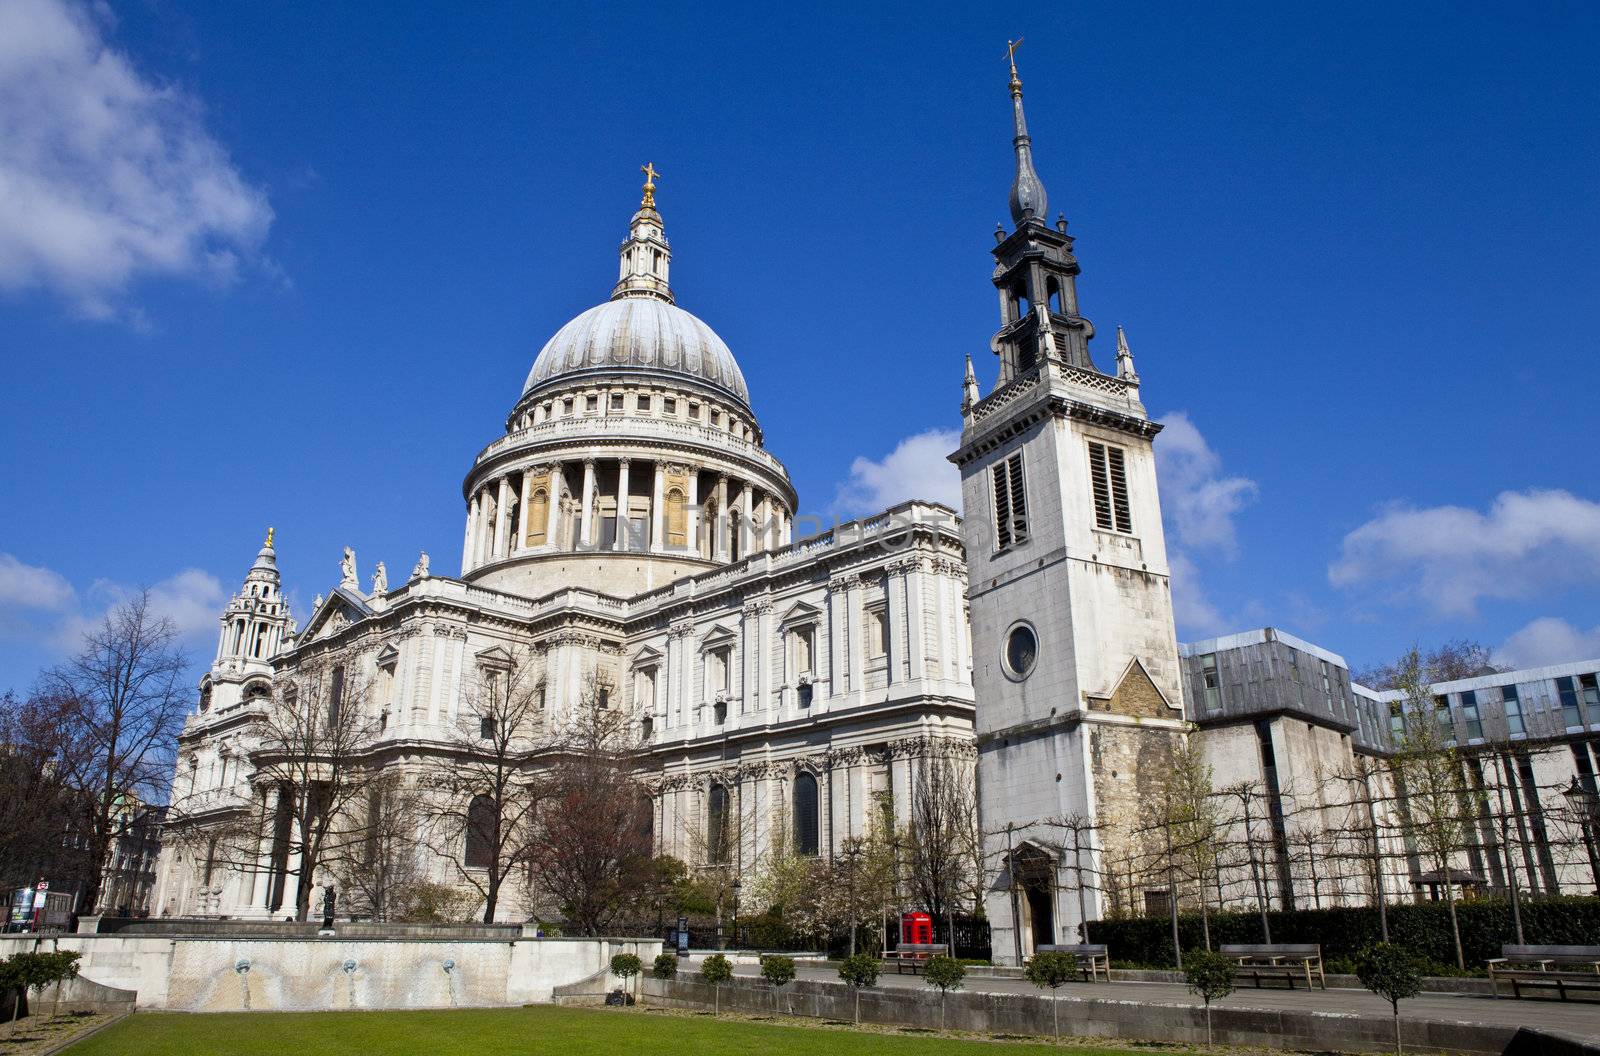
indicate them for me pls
(736, 913)
(1586, 805)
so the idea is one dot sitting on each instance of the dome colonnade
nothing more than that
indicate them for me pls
(633, 438)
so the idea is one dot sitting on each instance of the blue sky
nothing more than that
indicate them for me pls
(289, 264)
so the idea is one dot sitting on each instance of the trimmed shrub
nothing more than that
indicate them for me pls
(665, 966)
(716, 970)
(947, 974)
(1210, 976)
(625, 966)
(1394, 974)
(859, 971)
(1344, 933)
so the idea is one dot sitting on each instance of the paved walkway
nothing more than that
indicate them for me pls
(1580, 1017)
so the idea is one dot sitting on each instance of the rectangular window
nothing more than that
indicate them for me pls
(1108, 481)
(642, 402)
(1568, 691)
(616, 402)
(877, 633)
(1397, 723)
(486, 728)
(1208, 669)
(1589, 686)
(1441, 715)
(1010, 503)
(592, 404)
(1469, 712)
(1512, 704)
(669, 405)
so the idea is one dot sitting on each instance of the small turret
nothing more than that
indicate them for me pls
(970, 394)
(646, 257)
(1125, 369)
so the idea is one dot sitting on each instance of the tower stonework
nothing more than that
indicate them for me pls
(1075, 660)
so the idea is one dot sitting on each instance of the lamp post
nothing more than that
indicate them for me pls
(736, 913)
(1586, 805)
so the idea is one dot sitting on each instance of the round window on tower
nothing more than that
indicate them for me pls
(1021, 651)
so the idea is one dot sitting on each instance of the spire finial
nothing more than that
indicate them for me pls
(1125, 369)
(1028, 200)
(650, 174)
(268, 544)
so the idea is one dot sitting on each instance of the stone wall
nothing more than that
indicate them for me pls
(196, 973)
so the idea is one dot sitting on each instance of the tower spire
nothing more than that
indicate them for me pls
(645, 254)
(1028, 198)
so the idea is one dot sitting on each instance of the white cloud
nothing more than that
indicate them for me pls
(1548, 640)
(105, 175)
(918, 468)
(39, 604)
(31, 587)
(1196, 499)
(1198, 505)
(1451, 557)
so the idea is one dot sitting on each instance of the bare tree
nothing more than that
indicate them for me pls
(593, 832)
(311, 742)
(377, 867)
(486, 789)
(1427, 773)
(1075, 847)
(42, 817)
(939, 836)
(1247, 797)
(1461, 658)
(124, 700)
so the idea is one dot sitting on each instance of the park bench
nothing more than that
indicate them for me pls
(1560, 967)
(1093, 958)
(914, 954)
(1287, 961)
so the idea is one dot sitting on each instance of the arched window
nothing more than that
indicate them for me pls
(717, 829)
(1054, 288)
(480, 833)
(538, 517)
(805, 814)
(677, 518)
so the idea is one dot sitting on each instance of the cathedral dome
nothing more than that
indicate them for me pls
(644, 335)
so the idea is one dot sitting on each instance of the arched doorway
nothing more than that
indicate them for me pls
(1034, 873)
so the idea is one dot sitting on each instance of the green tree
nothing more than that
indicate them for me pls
(778, 971)
(716, 970)
(625, 966)
(35, 971)
(1051, 969)
(946, 973)
(860, 971)
(665, 966)
(1393, 973)
(1211, 976)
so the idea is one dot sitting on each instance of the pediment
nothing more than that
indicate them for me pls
(1135, 694)
(800, 612)
(388, 655)
(341, 609)
(495, 656)
(717, 635)
(645, 657)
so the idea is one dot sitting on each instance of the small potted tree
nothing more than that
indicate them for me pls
(777, 971)
(1051, 969)
(625, 966)
(860, 971)
(1394, 974)
(716, 970)
(946, 973)
(1211, 976)
(665, 966)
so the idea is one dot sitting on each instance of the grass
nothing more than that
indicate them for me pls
(543, 1030)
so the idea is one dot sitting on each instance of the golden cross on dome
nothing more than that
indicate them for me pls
(650, 174)
(1011, 57)
(270, 531)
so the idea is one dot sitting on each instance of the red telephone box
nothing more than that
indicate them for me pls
(916, 928)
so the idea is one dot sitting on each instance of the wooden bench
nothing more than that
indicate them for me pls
(1562, 968)
(914, 954)
(1287, 961)
(1093, 958)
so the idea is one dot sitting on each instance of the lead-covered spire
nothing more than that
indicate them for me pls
(1028, 198)
(645, 255)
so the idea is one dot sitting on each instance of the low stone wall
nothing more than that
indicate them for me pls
(204, 973)
(1023, 1014)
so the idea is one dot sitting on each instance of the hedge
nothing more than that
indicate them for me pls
(1343, 933)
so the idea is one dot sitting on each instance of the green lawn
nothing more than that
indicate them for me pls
(539, 1031)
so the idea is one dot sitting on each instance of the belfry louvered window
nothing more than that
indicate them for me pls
(1108, 479)
(1010, 503)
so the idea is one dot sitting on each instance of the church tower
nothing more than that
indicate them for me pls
(254, 626)
(1075, 658)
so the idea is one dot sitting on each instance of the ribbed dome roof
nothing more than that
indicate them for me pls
(639, 335)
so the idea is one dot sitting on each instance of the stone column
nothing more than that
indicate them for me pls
(466, 545)
(747, 498)
(502, 519)
(480, 546)
(857, 645)
(586, 514)
(692, 513)
(553, 511)
(719, 536)
(658, 524)
(916, 618)
(521, 540)
(838, 636)
(621, 542)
